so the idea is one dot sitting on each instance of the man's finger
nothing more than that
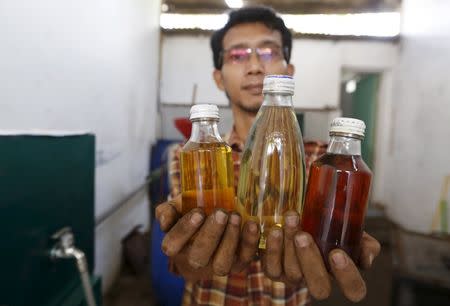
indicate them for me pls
(182, 232)
(291, 265)
(225, 255)
(347, 275)
(312, 265)
(248, 245)
(273, 253)
(207, 239)
(167, 215)
(370, 248)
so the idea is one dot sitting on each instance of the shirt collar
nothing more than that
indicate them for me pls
(234, 141)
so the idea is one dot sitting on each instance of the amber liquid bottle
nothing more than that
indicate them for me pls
(272, 172)
(207, 178)
(338, 191)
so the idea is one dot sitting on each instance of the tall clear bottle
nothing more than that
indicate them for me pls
(207, 178)
(272, 172)
(338, 191)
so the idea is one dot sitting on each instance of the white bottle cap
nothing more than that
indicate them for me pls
(283, 84)
(348, 126)
(204, 111)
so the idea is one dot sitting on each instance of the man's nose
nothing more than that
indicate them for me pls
(255, 65)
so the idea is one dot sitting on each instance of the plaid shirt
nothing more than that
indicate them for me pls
(249, 287)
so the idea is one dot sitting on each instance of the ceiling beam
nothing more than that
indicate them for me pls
(294, 7)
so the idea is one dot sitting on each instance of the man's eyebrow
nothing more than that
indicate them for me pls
(239, 45)
(261, 43)
(268, 42)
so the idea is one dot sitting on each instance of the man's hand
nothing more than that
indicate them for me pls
(279, 260)
(301, 259)
(203, 245)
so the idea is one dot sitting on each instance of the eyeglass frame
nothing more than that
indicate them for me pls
(284, 52)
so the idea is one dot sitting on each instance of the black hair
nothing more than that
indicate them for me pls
(262, 14)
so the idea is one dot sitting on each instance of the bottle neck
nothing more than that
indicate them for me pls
(344, 145)
(205, 130)
(278, 99)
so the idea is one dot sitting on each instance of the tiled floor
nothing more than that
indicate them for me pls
(378, 282)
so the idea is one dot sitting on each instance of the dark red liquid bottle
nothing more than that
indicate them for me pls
(338, 191)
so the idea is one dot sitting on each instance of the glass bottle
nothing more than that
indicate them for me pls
(272, 172)
(207, 178)
(338, 191)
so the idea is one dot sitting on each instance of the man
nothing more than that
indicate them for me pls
(218, 260)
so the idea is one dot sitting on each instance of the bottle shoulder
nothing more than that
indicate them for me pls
(341, 162)
(274, 125)
(206, 146)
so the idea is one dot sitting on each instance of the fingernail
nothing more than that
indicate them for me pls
(276, 233)
(220, 217)
(370, 259)
(235, 219)
(196, 218)
(252, 228)
(162, 220)
(339, 260)
(292, 221)
(302, 241)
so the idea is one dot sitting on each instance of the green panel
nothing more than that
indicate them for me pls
(443, 206)
(301, 122)
(46, 183)
(363, 106)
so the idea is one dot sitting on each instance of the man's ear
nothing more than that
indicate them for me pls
(217, 75)
(290, 69)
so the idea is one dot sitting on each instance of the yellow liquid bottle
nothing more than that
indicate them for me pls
(207, 178)
(272, 173)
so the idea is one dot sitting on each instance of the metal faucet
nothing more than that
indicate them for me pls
(65, 249)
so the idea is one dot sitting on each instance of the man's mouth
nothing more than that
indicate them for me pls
(254, 89)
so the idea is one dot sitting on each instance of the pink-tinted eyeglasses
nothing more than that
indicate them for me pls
(240, 55)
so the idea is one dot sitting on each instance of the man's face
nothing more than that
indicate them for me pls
(242, 73)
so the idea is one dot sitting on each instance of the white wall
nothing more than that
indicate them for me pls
(319, 65)
(89, 65)
(420, 144)
(170, 112)
(187, 61)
